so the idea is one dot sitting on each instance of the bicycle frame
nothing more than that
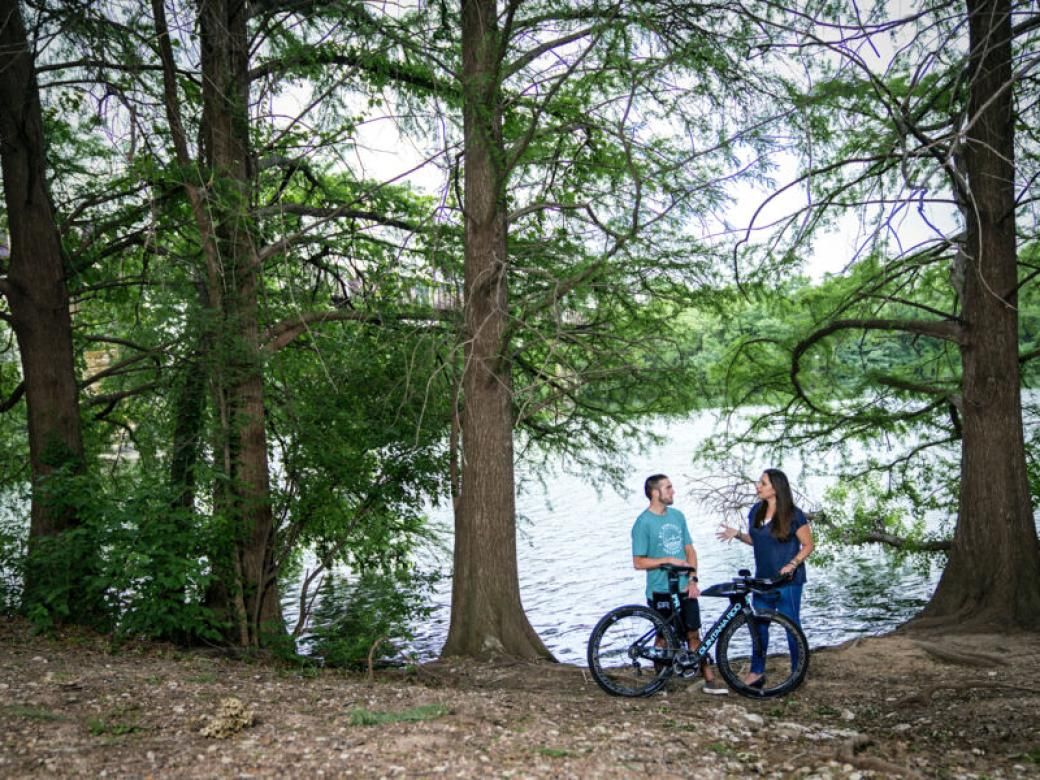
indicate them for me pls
(687, 660)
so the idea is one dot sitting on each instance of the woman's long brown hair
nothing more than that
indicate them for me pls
(780, 527)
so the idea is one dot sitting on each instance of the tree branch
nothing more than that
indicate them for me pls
(531, 208)
(899, 543)
(538, 51)
(285, 332)
(877, 536)
(324, 212)
(119, 368)
(394, 71)
(947, 330)
(898, 383)
(109, 400)
(15, 396)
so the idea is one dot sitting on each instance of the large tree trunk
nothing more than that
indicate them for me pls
(225, 68)
(245, 589)
(992, 579)
(36, 290)
(487, 617)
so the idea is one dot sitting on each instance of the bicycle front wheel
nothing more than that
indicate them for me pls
(772, 640)
(631, 651)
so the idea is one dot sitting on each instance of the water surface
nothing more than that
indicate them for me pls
(575, 563)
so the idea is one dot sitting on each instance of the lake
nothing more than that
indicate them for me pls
(575, 561)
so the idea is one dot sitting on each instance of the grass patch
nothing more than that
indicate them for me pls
(721, 749)
(1032, 756)
(100, 727)
(306, 672)
(362, 717)
(554, 752)
(31, 713)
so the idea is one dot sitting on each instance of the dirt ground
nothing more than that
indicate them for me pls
(948, 707)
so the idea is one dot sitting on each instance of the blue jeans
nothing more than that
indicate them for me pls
(787, 601)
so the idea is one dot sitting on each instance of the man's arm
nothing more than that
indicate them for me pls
(643, 562)
(691, 556)
(691, 584)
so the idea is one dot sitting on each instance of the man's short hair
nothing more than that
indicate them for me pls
(652, 482)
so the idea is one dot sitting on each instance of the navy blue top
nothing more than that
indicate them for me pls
(771, 554)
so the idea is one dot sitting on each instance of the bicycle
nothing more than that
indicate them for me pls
(633, 650)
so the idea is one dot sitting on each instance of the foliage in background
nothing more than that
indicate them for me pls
(369, 618)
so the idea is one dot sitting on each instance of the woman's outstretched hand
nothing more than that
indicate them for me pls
(726, 533)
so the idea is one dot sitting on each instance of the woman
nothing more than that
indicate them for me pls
(782, 541)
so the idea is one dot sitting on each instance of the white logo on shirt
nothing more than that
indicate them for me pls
(670, 539)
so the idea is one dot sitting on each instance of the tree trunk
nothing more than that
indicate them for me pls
(225, 68)
(487, 617)
(36, 290)
(245, 586)
(992, 579)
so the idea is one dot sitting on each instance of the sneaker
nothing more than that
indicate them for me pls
(715, 687)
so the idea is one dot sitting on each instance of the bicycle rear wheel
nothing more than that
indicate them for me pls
(786, 657)
(631, 651)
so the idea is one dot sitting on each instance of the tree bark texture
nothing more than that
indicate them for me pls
(36, 285)
(251, 599)
(487, 617)
(992, 579)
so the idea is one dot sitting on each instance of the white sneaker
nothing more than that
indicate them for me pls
(715, 687)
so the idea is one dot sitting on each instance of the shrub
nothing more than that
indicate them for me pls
(374, 612)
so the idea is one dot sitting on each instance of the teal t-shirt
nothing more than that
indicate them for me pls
(660, 536)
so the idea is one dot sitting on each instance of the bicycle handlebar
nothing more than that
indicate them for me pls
(671, 567)
(743, 576)
(741, 584)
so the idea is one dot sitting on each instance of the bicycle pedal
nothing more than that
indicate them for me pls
(689, 674)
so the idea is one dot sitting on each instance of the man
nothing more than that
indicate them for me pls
(660, 536)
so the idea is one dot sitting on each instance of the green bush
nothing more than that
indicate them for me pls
(373, 613)
(131, 567)
(154, 575)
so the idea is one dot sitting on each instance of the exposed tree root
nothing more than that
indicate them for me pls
(925, 696)
(849, 645)
(847, 755)
(960, 657)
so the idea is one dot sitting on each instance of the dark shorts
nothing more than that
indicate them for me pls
(690, 608)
